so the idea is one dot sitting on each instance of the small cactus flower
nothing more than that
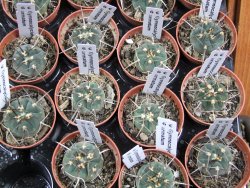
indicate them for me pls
(142, 5)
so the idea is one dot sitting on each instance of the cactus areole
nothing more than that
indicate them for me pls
(142, 5)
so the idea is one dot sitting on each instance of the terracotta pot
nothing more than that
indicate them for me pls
(105, 139)
(15, 34)
(165, 35)
(226, 19)
(42, 92)
(64, 27)
(222, 69)
(240, 144)
(132, 20)
(188, 4)
(77, 6)
(75, 71)
(176, 161)
(167, 93)
(41, 23)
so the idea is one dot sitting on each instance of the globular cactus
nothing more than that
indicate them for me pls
(23, 118)
(142, 5)
(29, 60)
(214, 159)
(207, 37)
(87, 34)
(155, 175)
(88, 97)
(146, 117)
(150, 55)
(82, 160)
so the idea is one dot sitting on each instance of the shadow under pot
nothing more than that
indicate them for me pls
(138, 55)
(77, 162)
(138, 114)
(218, 163)
(133, 10)
(207, 98)
(47, 10)
(76, 30)
(158, 169)
(28, 119)
(87, 97)
(191, 4)
(30, 60)
(198, 37)
(90, 4)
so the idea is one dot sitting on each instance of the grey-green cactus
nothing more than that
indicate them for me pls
(142, 5)
(207, 37)
(82, 160)
(150, 55)
(88, 98)
(146, 117)
(155, 175)
(29, 60)
(214, 159)
(23, 118)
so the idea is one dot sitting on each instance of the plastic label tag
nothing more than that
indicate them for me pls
(220, 128)
(213, 63)
(27, 19)
(133, 156)
(167, 135)
(89, 131)
(157, 81)
(153, 22)
(4, 84)
(210, 9)
(88, 59)
(102, 13)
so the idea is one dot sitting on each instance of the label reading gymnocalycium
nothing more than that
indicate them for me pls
(213, 63)
(88, 59)
(157, 81)
(210, 9)
(4, 84)
(133, 156)
(220, 128)
(27, 20)
(89, 131)
(167, 135)
(102, 13)
(153, 22)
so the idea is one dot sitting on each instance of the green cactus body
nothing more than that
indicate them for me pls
(41, 5)
(150, 55)
(142, 5)
(212, 95)
(146, 117)
(87, 34)
(83, 161)
(207, 37)
(89, 97)
(29, 60)
(23, 118)
(155, 175)
(214, 159)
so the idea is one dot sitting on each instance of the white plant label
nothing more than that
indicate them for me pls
(167, 135)
(210, 9)
(133, 156)
(213, 63)
(157, 81)
(89, 131)
(88, 59)
(153, 22)
(27, 20)
(102, 13)
(4, 84)
(220, 128)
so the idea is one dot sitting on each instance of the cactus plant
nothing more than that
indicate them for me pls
(87, 3)
(155, 175)
(29, 60)
(207, 36)
(82, 160)
(142, 5)
(150, 55)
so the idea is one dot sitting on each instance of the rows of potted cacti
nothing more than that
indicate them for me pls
(29, 117)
